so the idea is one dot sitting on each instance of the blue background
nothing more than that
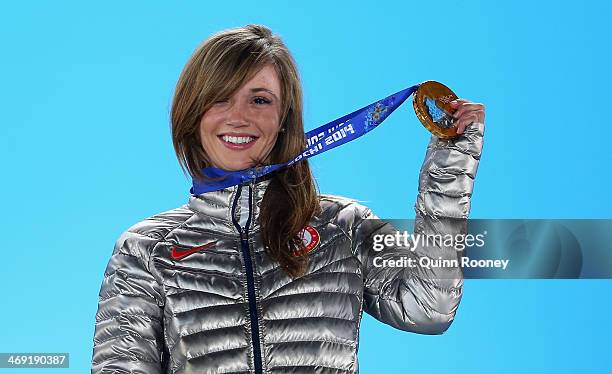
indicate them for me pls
(85, 92)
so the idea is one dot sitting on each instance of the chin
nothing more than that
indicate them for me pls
(237, 166)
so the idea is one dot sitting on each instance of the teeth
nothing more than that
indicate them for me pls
(237, 139)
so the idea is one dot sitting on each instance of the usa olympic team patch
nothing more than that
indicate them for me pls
(310, 239)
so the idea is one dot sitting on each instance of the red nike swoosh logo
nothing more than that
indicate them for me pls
(177, 255)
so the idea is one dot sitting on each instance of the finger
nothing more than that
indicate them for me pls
(478, 113)
(465, 107)
(465, 121)
(481, 116)
(459, 101)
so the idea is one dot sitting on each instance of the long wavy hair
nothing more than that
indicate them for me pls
(219, 67)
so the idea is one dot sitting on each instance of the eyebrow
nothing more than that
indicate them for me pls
(259, 89)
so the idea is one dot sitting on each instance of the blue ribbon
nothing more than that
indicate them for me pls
(319, 140)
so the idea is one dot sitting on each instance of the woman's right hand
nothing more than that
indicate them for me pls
(467, 112)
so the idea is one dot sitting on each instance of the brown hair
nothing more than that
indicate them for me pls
(219, 67)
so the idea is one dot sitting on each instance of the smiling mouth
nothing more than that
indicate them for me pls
(237, 142)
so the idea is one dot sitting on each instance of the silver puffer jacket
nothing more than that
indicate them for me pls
(191, 290)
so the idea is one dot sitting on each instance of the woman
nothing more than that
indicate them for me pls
(270, 277)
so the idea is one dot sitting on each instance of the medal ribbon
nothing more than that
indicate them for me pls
(319, 140)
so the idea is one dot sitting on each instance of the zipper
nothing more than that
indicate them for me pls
(246, 255)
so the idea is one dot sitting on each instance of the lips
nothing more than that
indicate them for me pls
(237, 141)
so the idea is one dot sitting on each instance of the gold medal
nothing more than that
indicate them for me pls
(432, 106)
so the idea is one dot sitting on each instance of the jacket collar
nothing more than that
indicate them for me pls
(217, 205)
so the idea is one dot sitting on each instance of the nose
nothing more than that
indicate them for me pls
(237, 115)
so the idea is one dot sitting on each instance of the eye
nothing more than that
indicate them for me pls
(220, 101)
(260, 100)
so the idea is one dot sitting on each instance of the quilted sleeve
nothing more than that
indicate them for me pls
(128, 334)
(416, 298)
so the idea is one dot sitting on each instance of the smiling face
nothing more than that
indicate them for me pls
(244, 127)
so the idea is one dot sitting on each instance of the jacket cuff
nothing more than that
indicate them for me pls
(446, 180)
